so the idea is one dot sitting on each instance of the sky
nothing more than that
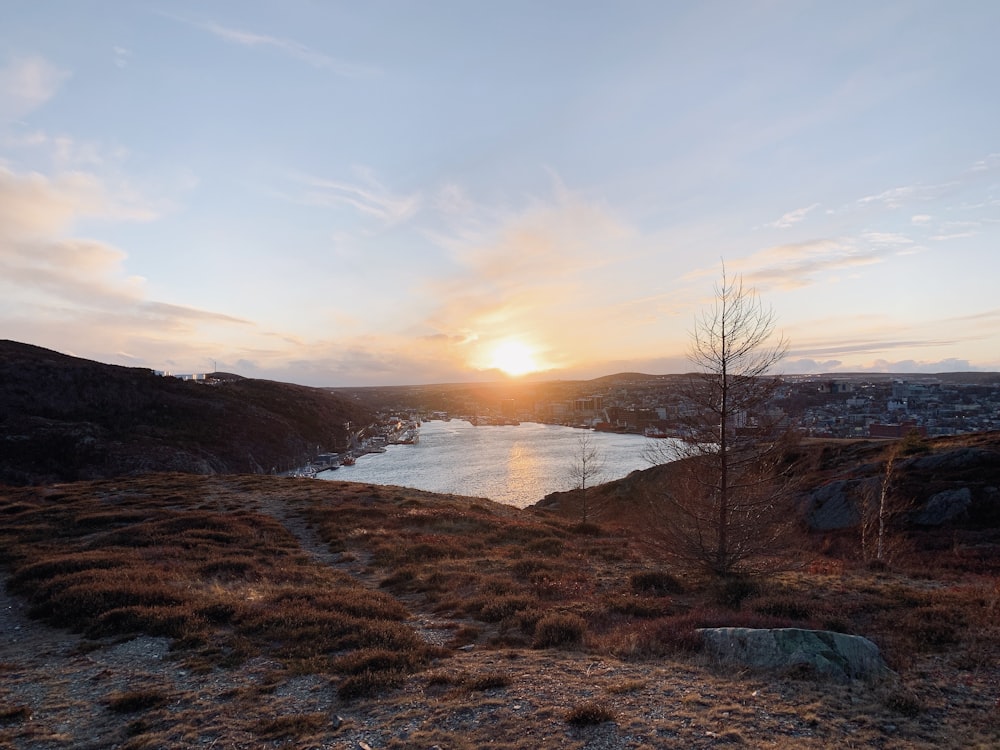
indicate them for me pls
(403, 192)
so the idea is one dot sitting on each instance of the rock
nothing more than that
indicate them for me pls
(833, 506)
(955, 460)
(836, 656)
(945, 506)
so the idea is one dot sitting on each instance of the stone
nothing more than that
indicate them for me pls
(836, 656)
(945, 506)
(833, 506)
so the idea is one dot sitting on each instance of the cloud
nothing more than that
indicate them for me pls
(911, 365)
(920, 219)
(865, 346)
(122, 56)
(26, 83)
(800, 264)
(32, 204)
(992, 161)
(532, 274)
(953, 236)
(289, 47)
(793, 217)
(368, 197)
(815, 367)
(74, 293)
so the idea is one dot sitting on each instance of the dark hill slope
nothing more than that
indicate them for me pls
(944, 492)
(63, 418)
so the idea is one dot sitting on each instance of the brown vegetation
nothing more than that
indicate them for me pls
(424, 620)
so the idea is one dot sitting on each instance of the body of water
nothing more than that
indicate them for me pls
(514, 464)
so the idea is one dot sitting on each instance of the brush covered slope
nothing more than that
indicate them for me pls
(63, 418)
(943, 496)
(267, 612)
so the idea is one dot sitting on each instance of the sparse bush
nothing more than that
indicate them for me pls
(638, 606)
(378, 660)
(730, 591)
(171, 622)
(488, 681)
(369, 684)
(465, 635)
(782, 606)
(930, 628)
(14, 714)
(550, 546)
(559, 631)
(903, 700)
(657, 582)
(294, 725)
(501, 607)
(136, 700)
(589, 714)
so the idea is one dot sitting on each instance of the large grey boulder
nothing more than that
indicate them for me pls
(836, 656)
(945, 506)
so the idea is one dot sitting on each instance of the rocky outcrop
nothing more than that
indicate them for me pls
(833, 506)
(950, 505)
(835, 656)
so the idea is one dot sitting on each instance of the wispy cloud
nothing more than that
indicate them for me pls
(866, 346)
(69, 291)
(288, 47)
(122, 56)
(26, 83)
(793, 217)
(532, 273)
(368, 196)
(800, 264)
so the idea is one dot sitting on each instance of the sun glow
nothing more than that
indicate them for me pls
(514, 358)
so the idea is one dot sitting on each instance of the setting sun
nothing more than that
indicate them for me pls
(514, 358)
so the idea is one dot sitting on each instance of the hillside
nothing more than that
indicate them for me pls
(945, 494)
(266, 612)
(63, 418)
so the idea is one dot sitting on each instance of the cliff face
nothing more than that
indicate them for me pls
(64, 418)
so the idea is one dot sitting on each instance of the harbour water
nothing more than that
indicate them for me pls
(512, 464)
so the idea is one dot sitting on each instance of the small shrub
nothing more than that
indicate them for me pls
(931, 627)
(465, 635)
(656, 582)
(782, 606)
(377, 660)
(502, 607)
(295, 725)
(731, 591)
(639, 606)
(171, 622)
(489, 681)
(14, 715)
(550, 546)
(217, 613)
(136, 700)
(903, 700)
(559, 631)
(369, 684)
(589, 714)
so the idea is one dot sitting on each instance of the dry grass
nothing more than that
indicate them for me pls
(575, 629)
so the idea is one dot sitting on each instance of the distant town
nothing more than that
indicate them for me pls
(841, 406)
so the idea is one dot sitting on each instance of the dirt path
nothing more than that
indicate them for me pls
(433, 629)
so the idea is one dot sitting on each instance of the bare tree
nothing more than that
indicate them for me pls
(878, 514)
(724, 509)
(587, 466)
